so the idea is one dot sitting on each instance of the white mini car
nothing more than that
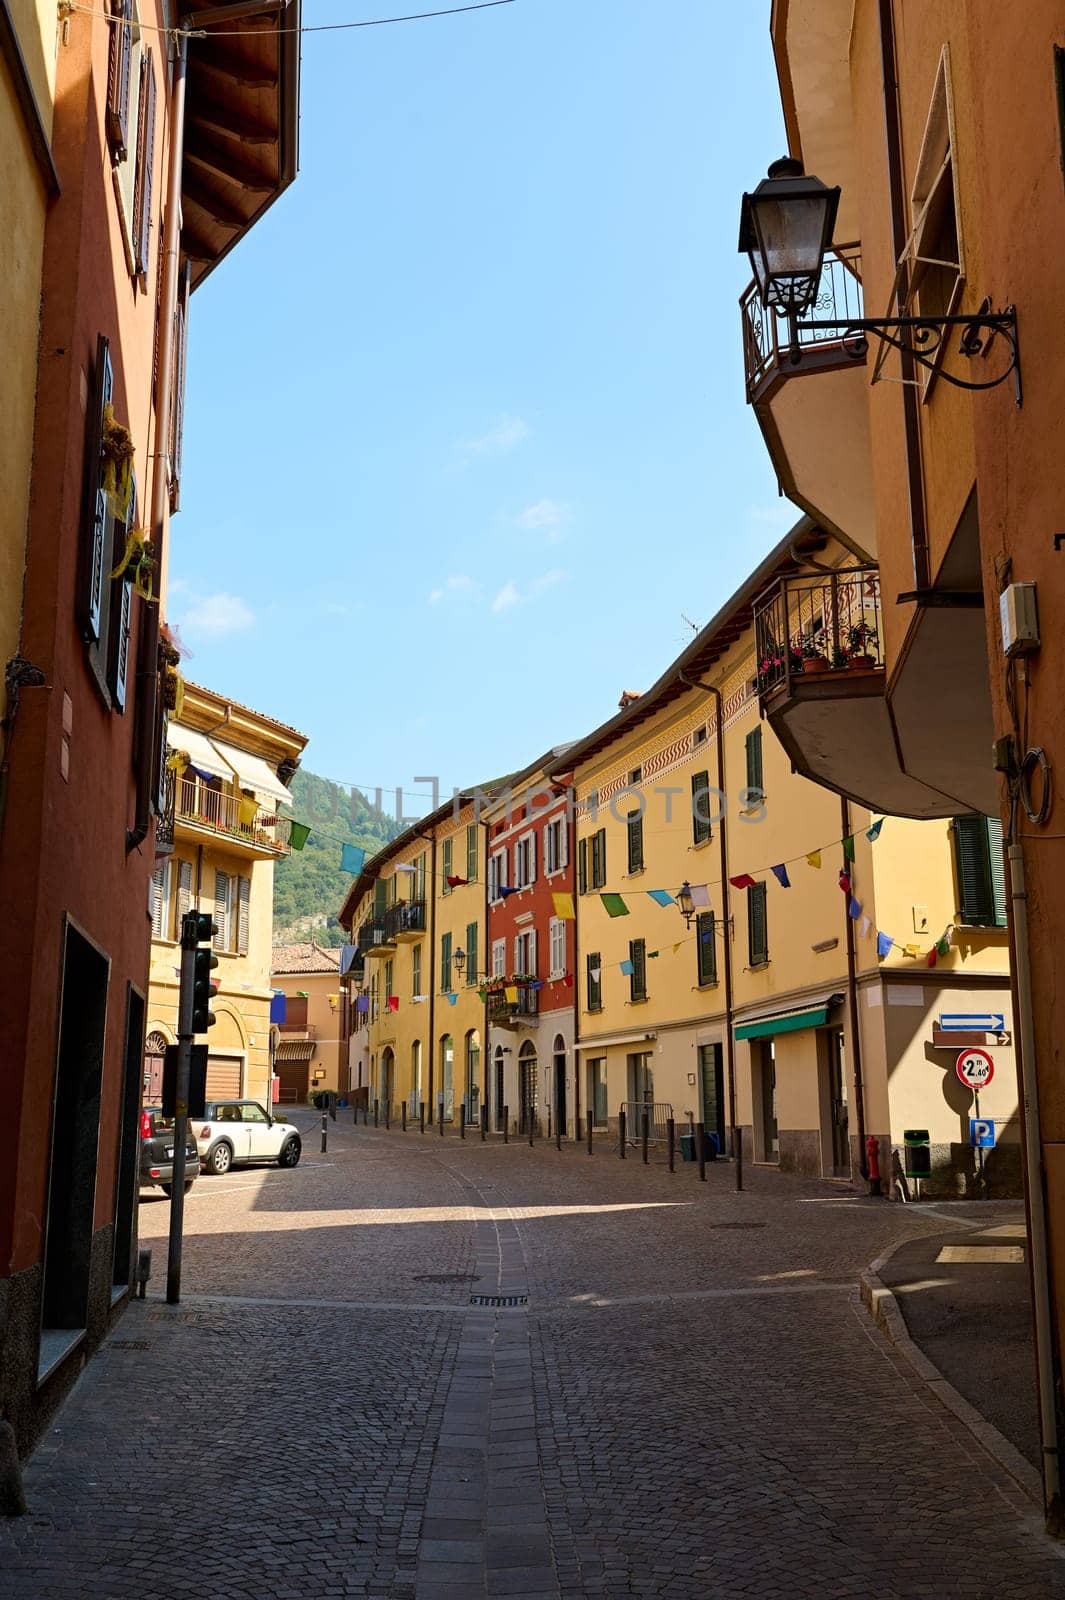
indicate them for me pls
(233, 1133)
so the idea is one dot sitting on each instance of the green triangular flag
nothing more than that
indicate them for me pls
(848, 848)
(943, 947)
(299, 833)
(614, 905)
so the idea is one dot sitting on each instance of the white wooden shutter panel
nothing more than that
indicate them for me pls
(95, 517)
(243, 914)
(158, 900)
(184, 892)
(142, 200)
(221, 910)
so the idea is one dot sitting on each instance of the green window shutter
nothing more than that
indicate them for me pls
(754, 759)
(595, 984)
(471, 952)
(700, 807)
(416, 970)
(757, 932)
(445, 963)
(582, 866)
(389, 974)
(638, 980)
(380, 892)
(706, 950)
(447, 870)
(471, 852)
(998, 870)
(976, 895)
(634, 824)
(599, 859)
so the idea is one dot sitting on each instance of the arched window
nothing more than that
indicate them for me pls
(528, 1086)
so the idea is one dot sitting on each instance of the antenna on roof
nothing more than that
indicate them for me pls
(694, 626)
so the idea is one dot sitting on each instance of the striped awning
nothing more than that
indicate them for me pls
(294, 1050)
(789, 1019)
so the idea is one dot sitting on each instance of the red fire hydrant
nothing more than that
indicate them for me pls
(872, 1156)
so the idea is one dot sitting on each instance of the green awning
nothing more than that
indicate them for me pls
(791, 1022)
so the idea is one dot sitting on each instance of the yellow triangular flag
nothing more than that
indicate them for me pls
(913, 950)
(510, 994)
(249, 810)
(814, 858)
(677, 946)
(564, 907)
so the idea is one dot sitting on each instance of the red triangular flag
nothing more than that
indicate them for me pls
(845, 882)
(453, 883)
(744, 881)
(932, 956)
(393, 1002)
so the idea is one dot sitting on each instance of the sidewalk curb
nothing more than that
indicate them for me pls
(883, 1307)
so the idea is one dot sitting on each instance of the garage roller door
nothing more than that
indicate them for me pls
(293, 1077)
(223, 1078)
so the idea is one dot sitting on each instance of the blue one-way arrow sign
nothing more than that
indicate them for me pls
(973, 1022)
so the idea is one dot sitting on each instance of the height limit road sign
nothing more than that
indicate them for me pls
(975, 1068)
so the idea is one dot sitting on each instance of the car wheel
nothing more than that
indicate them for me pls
(291, 1151)
(168, 1188)
(220, 1160)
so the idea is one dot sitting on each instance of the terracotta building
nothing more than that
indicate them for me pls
(311, 1050)
(935, 456)
(149, 179)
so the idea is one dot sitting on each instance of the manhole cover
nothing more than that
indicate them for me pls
(737, 1224)
(446, 1277)
(499, 1299)
(127, 1344)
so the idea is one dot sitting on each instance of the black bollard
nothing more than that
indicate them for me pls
(645, 1119)
(403, 1116)
(484, 1123)
(325, 1115)
(462, 1120)
(376, 1109)
(506, 1124)
(421, 1115)
(388, 1112)
(589, 1133)
(671, 1143)
(440, 1118)
(621, 1133)
(701, 1147)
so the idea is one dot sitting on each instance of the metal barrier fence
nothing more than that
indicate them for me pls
(660, 1112)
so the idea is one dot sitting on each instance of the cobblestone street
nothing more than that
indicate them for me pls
(692, 1401)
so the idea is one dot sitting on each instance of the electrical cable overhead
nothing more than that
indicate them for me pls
(324, 27)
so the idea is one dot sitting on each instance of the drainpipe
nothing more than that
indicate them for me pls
(431, 1041)
(571, 840)
(730, 1042)
(486, 956)
(852, 1004)
(1035, 1194)
(911, 403)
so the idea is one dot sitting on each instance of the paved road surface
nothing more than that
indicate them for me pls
(685, 1400)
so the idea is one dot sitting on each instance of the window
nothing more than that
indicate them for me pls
(525, 861)
(556, 852)
(497, 874)
(105, 604)
(597, 858)
(472, 850)
(582, 866)
(375, 1001)
(159, 901)
(232, 908)
(699, 736)
(177, 415)
(636, 775)
(634, 826)
(471, 953)
(419, 877)
(389, 980)
(980, 869)
(638, 976)
(445, 963)
(753, 744)
(525, 953)
(120, 77)
(558, 947)
(143, 181)
(223, 910)
(597, 1101)
(594, 981)
(416, 970)
(700, 807)
(705, 948)
(131, 109)
(379, 899)
(184, 895)
(447, 870)
(757, 932)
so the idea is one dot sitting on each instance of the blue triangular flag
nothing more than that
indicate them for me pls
(854, 909)
(347, 956)
(505, 889)
(627, 968)
(277, 1007)
(781, 875)
(883, 945)
(661, 897)
(874, 831)
(352, 858)
(452, 998)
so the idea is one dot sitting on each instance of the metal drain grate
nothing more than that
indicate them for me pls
(127, 1344)
(499, 1299)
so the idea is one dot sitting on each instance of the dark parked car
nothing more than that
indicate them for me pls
(157, 1151)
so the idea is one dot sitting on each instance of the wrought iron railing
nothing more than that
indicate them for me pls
(818, 623)
(406, 916)
(164, 822)
(370, 935)
(232, 815)
(768, 339)
(500, 1009)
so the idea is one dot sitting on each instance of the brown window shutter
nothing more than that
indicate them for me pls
(243, 914)
(177, 416)
(119, 69)
(95, 519)
(142, 199)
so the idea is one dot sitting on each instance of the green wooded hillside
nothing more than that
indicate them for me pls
(309, 885)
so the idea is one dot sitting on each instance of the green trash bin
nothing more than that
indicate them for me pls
(917, 1158)
(687, 1147)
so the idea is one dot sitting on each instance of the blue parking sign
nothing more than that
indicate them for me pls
(981, 1133)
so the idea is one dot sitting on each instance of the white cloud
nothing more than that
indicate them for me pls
(458, 583)
(510, 595)
(217, 614)
(548, 516)
(507, 432)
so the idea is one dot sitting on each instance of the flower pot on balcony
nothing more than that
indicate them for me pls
(814, 664)
(860, 661)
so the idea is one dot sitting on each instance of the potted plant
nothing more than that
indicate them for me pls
(861, 643)
(811, 649)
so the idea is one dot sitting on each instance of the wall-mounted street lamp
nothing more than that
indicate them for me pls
(685, 903)
(458, 960)
(786, 227)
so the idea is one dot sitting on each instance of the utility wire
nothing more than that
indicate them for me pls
(325, 27)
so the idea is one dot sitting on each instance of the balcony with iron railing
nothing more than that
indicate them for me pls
(191, 805)
(372, 938)
(816, 430)
(811, 628)
(524, 1012)
(404, 921)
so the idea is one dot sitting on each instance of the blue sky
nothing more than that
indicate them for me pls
(466, 437)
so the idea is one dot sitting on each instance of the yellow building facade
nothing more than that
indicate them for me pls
(311, 1047)
(230, 767)
(28, 183)
(419, 1021)
(772, 1014)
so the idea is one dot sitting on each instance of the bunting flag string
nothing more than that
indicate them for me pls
(352, 858)
(661, 897)
(614, 905)
(780, 873)
(564, 908)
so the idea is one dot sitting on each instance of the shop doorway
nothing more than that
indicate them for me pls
(560, 1083)
(528, 1087)
(764, 1075)
(712, 1091)
(837, 1099)
(500, 1090)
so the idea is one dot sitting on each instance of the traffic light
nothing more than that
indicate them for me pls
(204, 989)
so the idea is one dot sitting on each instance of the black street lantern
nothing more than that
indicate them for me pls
(685, 903)
(458, 960)
(786, 226)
